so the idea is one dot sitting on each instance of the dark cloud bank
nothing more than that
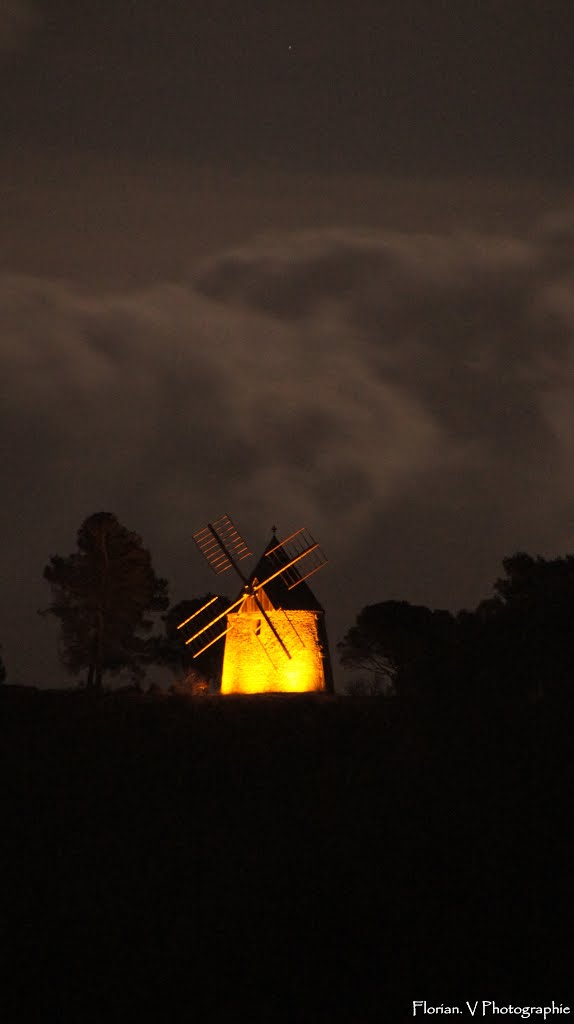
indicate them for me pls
(17, 19)
(409, 398)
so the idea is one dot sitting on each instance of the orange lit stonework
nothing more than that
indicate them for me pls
(254, 662)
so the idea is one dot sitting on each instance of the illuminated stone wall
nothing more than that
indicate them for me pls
(252, 651)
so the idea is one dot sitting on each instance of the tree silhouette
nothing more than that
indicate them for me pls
(525, 630)
(398, 644)
(516, 646)
(101, 596)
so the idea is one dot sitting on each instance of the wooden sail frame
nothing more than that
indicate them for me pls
(223, 547)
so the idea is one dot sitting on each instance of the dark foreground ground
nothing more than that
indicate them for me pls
(280, 858)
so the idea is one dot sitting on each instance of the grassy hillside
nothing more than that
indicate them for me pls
(301, 857)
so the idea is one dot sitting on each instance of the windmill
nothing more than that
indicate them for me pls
(275, 635)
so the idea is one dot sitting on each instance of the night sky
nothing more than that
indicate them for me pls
(303, 263)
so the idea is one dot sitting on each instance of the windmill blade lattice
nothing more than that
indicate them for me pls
(221, 545)
(209, 631)
(286, 559)
(223, 548)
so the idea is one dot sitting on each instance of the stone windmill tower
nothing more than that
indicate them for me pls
(275, 633)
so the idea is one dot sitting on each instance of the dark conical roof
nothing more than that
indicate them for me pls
(298, 598)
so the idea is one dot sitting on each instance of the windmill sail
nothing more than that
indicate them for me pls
(295, 559)
(209, 631)
(221, 545)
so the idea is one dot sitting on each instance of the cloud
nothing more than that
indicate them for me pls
(237, 404)
(17, 19)
(467, 327)
(396, 393)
